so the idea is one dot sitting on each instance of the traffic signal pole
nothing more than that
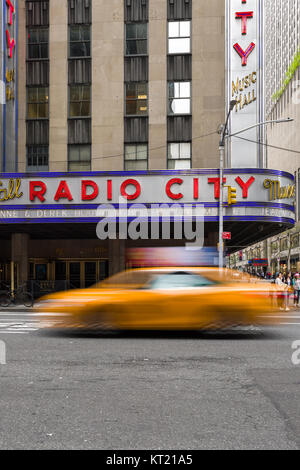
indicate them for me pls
(221, 217)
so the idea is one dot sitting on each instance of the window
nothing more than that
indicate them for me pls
(136, 98)
(179, 156)
(80, 41)
(180, 280)
(274, 247)
(79, 157)
(37, 102)
(283, 244)
(179, 37)
(37, 157)
(295, 240)
(80, 101)
(179, 97)
(136, 157)
(136, 39)
(37, 43)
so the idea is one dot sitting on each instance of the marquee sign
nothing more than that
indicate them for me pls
(50, 197)
(244, 79)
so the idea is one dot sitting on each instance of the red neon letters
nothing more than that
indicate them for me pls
(11, 10)
(244, 54)
(109, 190)
(63, 192)
(34, 192)
(245, 186)
(11, 42)
(196, 188)
(244, 15)
(89, 184)
(169, 185)
(216, 182)
(129, 182)
(89, 190)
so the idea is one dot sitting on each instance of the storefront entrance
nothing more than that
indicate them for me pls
(48, 276)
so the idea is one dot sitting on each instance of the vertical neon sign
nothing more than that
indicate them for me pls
(10, 121)
(244, 20)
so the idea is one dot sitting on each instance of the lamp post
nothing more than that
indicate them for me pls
(222, 152)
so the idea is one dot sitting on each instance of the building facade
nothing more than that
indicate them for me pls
(101, 95)
(282, 100)
(119, 102)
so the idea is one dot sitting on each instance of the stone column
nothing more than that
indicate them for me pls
(19, 254)
(116, 256)
(58, 102)
(107, 84)
(157, 85)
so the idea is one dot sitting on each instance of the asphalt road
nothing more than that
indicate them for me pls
(149, 391)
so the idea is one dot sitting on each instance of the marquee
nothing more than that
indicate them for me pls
(262, 195)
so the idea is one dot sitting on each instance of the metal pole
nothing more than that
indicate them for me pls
(12, 276)
(221, 248)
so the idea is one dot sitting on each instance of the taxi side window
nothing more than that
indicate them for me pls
(179, 280)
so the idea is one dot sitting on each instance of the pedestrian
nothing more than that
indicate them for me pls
(280, 290)
(297, 290)
(288, 282)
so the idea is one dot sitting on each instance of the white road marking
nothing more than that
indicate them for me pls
(17, 326)
(25, 314)
(296, 317)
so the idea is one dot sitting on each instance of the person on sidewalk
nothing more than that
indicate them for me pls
(297, 290)
(281, 287)
(288, 282)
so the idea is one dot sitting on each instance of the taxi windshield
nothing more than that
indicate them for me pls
(179, 280)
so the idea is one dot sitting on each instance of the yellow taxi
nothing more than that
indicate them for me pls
(164, 299)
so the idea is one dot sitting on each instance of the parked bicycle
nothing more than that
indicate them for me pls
(18, 296)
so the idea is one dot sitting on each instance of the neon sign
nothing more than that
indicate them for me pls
(10, 41)
(244, 54)
(244, 67)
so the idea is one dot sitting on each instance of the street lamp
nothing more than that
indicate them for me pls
(222, 151)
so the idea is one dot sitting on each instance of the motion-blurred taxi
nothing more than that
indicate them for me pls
(163, 299)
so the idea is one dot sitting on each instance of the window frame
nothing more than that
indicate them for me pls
(79, 85)
(136, 144)
(31, 87)
(126, 54)
(36, 167)
(179, 159)
(37, 28)
(169, 113)
(79, 146)
(179, 37)
(136, 99)
(79, 41)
